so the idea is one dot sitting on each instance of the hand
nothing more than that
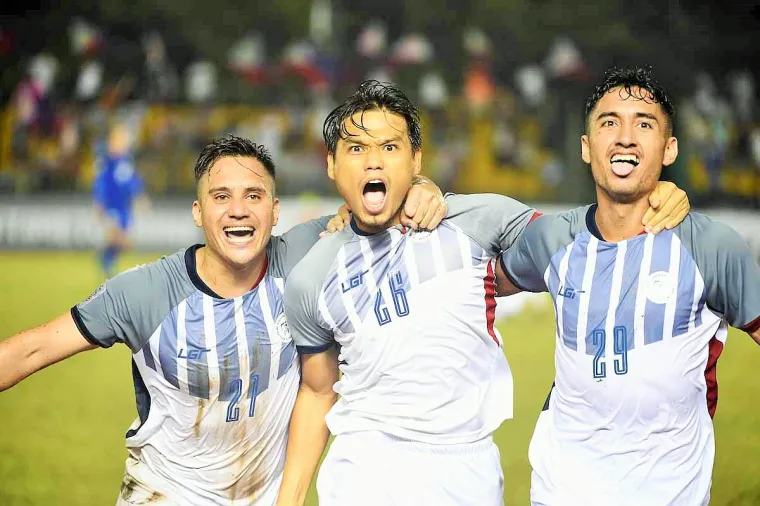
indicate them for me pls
(425, 206)
(669, 205)
(339, 221)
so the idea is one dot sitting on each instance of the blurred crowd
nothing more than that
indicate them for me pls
(513, 132)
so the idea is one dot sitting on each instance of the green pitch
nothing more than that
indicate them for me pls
(62, 430)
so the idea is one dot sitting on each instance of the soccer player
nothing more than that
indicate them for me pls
(214, 366)
(116, 189)
(641, 319)
(424, 379)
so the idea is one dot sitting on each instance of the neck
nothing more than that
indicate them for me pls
(376, 229)
(228, 280)
(619, 221)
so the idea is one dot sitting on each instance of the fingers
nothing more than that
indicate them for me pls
(678, 216)
(671, 209)
(412, 203)
(431, 222)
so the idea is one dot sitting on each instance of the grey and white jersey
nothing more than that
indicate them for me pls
(413, 315)
(640, 326)
(215, 378)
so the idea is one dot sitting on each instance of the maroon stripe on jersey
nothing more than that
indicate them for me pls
(715, 348)
(752, 326)
(490, 288)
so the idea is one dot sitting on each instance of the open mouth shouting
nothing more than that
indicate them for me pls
(373, 196)
(623, 165)
(239, 234)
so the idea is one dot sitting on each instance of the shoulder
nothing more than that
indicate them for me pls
(309, 274)
(700, 232)
(561, 226)
(460, 204)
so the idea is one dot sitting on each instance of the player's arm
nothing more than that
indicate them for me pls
(730, 271)
(29, 351)
(668, 206)
(308, 433)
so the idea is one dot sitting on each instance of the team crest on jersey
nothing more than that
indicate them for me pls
(660, 286)
(419, 235)
(281, 328)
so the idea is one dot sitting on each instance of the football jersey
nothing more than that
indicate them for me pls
(640, 326)
(215, 378)
(116, 186)
(413, 315)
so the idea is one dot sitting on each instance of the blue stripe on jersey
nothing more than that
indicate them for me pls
(687, 273)
(477, 253)
(259, 347)
(574, 281)
(287, 359)
(700, 305)
(167, 348)
(423, 256)
(450, 248)
(654, 314)
(625, 312)
(148, 355)
(334, 302)
(553, 286)
(275, 297)
(599, 298)
(381, 259)
(288, 352)
(197, 369)
(355, 267)
(226, 346)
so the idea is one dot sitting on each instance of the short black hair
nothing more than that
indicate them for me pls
(372, 95)
(627, 79)
(231, 145)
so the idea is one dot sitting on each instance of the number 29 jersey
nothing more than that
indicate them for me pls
(412, 313)
(640, 326)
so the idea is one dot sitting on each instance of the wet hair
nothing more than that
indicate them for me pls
(372, 95)
(231, 146)
(647, 89)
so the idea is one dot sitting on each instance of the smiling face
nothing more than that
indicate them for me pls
(628, 142)
(236, 209)
(373, 168)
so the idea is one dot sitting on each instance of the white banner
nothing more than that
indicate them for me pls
(59, 222)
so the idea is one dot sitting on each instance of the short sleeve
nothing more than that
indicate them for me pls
(301, 304)
(527, 261)
(493, 221)
(289, 248)
(731, 273)
(104, 317)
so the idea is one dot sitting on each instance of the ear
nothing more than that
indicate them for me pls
(585, 150)
(331, 166)
(417, 162)
(275, 211)
(197, 213)
(671, 151)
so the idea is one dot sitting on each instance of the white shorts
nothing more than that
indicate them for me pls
(375, 469)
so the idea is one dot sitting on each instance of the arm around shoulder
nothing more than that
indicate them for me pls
(29, 351)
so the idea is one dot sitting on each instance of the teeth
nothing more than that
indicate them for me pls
(625, 158)
(375, 181)
(238, 229)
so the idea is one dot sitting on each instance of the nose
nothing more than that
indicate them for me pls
(237, 208)
(374, 158)
(626, 135)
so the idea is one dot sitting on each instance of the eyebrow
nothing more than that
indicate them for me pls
(611, 114)
(249, 189)
(355, 139)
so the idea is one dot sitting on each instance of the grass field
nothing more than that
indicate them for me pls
(62, 430)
